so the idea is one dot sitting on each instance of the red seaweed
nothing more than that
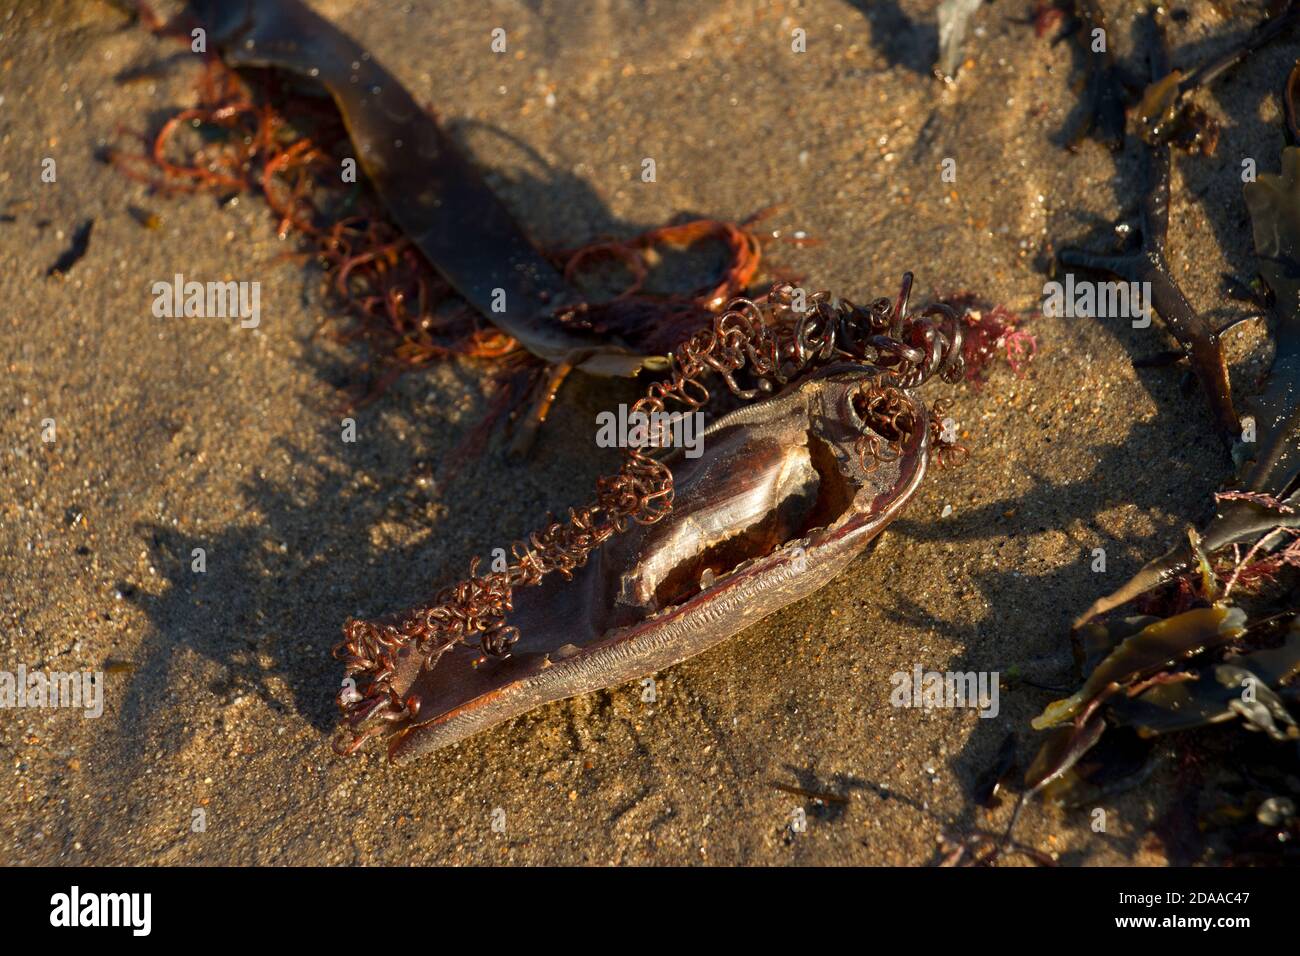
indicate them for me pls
(990, 331)
(240, 139)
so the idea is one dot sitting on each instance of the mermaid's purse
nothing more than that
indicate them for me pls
(787, 491)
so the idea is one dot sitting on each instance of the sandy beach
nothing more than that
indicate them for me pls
(177, 434)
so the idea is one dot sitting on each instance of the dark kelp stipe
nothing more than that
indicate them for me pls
(1203, 660)
(1167, 116)
(430, 188)
(1148, 264)
(1154, 649)
(1267, 501)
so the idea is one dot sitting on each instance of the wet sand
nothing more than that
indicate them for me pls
(176, 434)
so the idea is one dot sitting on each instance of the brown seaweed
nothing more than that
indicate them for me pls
(1064, 747)
(1271, 499)
(1119, 761)
(1166, 113)
(1154, 649)
(255, 136)
(1094, 642)
(1214, 694)
(1101, 112)
(1163, 116)
(429, 187)
(1199, 340)
(992, 782)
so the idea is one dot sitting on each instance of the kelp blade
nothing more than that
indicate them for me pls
(429, 187)
(1151, 650)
